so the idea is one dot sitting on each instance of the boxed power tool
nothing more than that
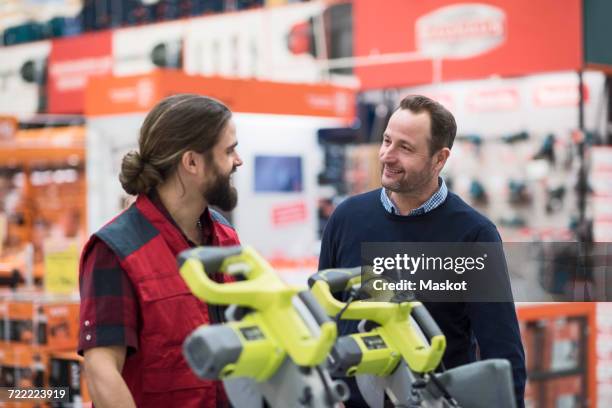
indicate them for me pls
(66, 370)
(562, 344)
(566, 392)
(44, 323)
(23, 366)
(530, 333)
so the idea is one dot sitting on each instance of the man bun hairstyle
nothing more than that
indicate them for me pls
(177, 124)
(443, 126)
(137, 176)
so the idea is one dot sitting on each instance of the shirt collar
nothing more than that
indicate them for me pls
(432, 203)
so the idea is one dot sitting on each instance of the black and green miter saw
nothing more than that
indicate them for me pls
(276, 341)
(399, 346)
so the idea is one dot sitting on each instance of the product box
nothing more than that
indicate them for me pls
(50, 325)
(66, 370)
(565, 392)
(58, 326)
(562, 348)
(3, 321)
(23, 366)
(530, 333)
(20, 328)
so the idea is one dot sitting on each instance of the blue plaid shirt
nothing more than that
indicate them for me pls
(434, 201)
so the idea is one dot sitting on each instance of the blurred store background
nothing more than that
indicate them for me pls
(312, 85)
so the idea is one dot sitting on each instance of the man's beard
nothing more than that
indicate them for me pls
(221, 193)
(413, 184)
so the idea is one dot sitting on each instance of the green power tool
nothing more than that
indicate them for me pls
(275, 344)
(398, 349)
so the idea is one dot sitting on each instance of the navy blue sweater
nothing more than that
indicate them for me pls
(491, 326)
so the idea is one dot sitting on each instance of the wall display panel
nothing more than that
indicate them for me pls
(23, 76)
(140, 50)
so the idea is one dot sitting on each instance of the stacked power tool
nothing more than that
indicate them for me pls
(275, 343)
(278, 345)
(396, 356)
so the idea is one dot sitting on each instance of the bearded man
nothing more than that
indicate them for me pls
(136, 310)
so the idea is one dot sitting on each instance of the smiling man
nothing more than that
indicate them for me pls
(414, 205)
(136, 311)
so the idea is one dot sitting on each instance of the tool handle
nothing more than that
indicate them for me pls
(378, 312)
(198, 264)
(427, 324)
(337, 279)
(211, 257)
(314, 308)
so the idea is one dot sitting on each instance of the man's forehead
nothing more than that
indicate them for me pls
(228, 135)
(407, 123)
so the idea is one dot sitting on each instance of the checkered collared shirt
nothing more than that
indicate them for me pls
(434, 201)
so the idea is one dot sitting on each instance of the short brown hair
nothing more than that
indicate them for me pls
(443, 125)
(175, 125)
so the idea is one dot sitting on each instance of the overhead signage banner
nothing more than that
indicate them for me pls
(442, 40)
(121, 95)
(72, 62)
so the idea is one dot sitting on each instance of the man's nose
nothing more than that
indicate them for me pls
(238, 161)
(386, 155)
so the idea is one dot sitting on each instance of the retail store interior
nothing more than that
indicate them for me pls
(312, 85)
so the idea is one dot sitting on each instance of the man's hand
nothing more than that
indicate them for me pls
(103, 366)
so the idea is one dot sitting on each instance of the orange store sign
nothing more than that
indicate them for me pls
(8, 127)
(120, 95)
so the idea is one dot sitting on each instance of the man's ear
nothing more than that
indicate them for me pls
(191, 161)
(440, 158)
